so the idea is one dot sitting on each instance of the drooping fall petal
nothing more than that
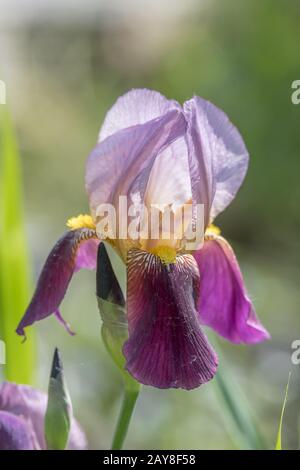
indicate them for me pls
(68, 255)
(224, 304)
(166, 346)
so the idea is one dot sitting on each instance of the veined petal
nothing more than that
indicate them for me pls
(14, 433)
(217, 154)
(120, 165)
(135, 107)
(224, 304)
(63, 260)
(166, 346)
(169, 181)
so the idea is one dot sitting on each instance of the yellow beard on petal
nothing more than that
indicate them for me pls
(166, 253)
(212, 231)
(81, 221)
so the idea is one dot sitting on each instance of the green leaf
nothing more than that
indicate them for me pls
(278, 445)
(236, 411)
(59, 409)
(238, 417)
(14, 266)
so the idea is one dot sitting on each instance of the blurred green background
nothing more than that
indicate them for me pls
(64, 65)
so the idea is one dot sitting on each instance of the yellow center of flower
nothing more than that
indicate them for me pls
(81, 221)
(166, 253)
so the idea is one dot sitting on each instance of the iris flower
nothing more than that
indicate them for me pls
(22, 412)
(153, 149)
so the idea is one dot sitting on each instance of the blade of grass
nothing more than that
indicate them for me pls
(239, 419)
(278, 445)
(237, 414)
(14, 267)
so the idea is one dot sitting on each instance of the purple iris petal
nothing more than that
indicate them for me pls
(166, 346)
(22, 401)
(27, 402)
(224, 304)
(169, 180)
(135, 107)
(121, 164)
(86, 256)
(14, 433)
(217, 155)
(57, 273)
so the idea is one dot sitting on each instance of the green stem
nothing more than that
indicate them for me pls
(129, 400)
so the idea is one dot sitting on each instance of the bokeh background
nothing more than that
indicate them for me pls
(64, 63)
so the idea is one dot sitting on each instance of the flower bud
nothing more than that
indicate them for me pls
(59, 409)
(112, 309)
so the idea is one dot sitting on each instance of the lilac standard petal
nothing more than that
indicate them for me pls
(169, 181)
(224, 304)
(14, 433)
(121, 164)
(217, 154)
(30, 404)
(135, 107)
(57, 273)
(166, 346)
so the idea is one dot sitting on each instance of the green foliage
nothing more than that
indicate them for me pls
(14, 272)
(278, 445)
(238, 418)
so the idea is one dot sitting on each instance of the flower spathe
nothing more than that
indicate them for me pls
(154, 149)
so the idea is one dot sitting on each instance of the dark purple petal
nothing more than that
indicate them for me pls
(121, 164)
(14, 433)
(57, 273)
(30, 404)
(217, 155)
(224, 304)
(166, 346)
